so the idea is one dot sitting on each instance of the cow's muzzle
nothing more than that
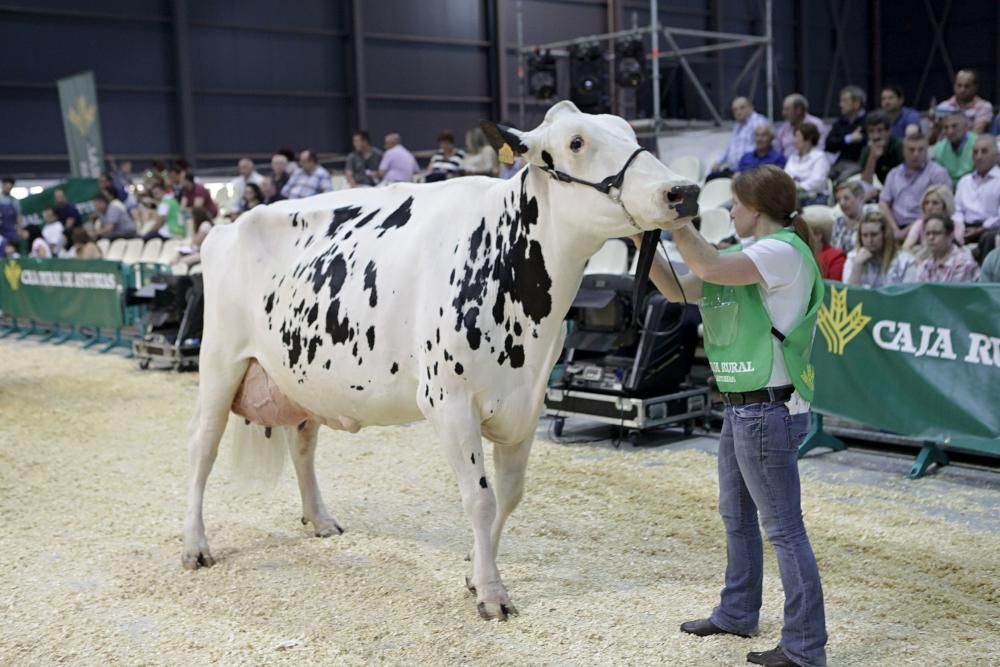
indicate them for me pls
(684, 200)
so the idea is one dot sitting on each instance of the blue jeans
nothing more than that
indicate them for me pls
(759, 474)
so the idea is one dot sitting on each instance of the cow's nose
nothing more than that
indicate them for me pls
(683, 199)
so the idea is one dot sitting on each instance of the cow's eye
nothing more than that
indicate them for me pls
(576, 144)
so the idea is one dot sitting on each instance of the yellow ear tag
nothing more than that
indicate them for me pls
(506, 155)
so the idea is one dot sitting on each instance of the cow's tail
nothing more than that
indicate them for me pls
(258, 454)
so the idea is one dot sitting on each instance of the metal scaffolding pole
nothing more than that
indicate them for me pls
(654, 24)
(768, 9)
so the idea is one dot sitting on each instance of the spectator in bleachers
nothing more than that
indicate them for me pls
(194, 194)
(990, 272)
(480, 158)
(795, 111)
(252, 196)
(995, 129)
(53, 233)
(936, 200)
(247, 174)
(965, 100)
(903, 120)
(202, 225)
(809, 167)
(742, 141)
(447, 161)
(309, 179)
(362, 163)
(954, 150)
(38, 246)
(876, 261)
(269, 192)
(763, 152)
(881, 155)
(107, 187)
(83, 246)
(906, 184)
(829, 258)
(281, 170)
(10, 216)
(946, 261)
(68, 214)
(850, 197)
(847, 136)
(111, 219)
(398, 164)
(977, 197)
(169, 220)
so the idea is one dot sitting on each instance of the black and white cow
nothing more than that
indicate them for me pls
(442, 302)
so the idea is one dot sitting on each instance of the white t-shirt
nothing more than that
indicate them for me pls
(785, 292)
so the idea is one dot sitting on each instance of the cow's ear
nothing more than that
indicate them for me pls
(506, 141)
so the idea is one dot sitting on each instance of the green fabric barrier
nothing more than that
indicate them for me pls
(74, 292)
(919, 359)
(77, 190)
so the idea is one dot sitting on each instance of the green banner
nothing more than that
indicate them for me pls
(78, 190)
(918, 359)
(78, 101)
(84, 292)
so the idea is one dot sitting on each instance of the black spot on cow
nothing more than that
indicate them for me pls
(394, 369)
(517, 329)
(327, 365)
(547, 159)
(441, 395)
(333, 274)
(482, 482)
(370, 335)
(431, 400)
(246, 421)
(340, 216)
(476, 240)
(370, 284)
(314, 343)
(429, 346)
(397, 218)
(295, 219)
(451, 278)
(435, 368)
(357, 387)
(458, 368)
(437, 336)
(269, 303)
(339, 329)
(515, 352)
(267, 431)
(428, 369)
(473, 458)
(502, 358)
(360, 360)
(472, 332)
(365, 220)
(312, 314)
(354, 350)
(440, 312)
(350, 334)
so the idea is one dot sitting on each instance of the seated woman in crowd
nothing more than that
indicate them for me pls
(829, 258)
(447, 162)
(809, 167)
(876, 261)
(936, 200)
(851, 198)
(946, 261)
(201, 225)
(252, 196)
(83, 246)
(480, 158)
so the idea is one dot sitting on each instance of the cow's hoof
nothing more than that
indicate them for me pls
(192, 560)
(471, 586)
(324, 527)
(496, 610)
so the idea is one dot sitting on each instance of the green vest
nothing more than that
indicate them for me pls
(175, 217)
(738, 331)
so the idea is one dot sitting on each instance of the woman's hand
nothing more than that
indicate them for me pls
(862, 256)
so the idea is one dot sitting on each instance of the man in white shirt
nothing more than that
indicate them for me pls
(977, 196)
(742, 142)
(248, 174)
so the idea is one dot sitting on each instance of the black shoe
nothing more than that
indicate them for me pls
(704, 627)
(773, 658)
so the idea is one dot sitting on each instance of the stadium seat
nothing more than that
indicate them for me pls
(611, 258)
(151, 251)
(819, 210)
(116, 250)
(715, 224)
(194, 270)
(169, 251)
(133, 251)
(686, 166)
(715, 193)
(179, 269)
(103, 245)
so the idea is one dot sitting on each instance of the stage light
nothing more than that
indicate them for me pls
(542, 79)
(589, 79)
(631, 63)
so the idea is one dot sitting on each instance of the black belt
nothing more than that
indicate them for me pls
(766, 395)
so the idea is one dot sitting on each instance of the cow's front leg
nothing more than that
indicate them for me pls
(463, 445)
(303, 452)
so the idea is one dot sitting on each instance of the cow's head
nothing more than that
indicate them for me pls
(616, 187)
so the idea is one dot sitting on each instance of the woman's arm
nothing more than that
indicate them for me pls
(711, 266)
(689, 287)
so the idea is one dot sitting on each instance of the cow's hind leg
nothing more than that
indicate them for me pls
(303, 453)
(509, 463)
(463, 445)
(218, 385)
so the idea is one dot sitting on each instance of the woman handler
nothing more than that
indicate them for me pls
(759, 307)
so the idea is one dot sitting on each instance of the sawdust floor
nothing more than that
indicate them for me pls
(608, 553)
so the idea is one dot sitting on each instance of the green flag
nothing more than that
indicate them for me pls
(78, 100)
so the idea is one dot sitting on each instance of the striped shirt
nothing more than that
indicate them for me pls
(742, 141)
